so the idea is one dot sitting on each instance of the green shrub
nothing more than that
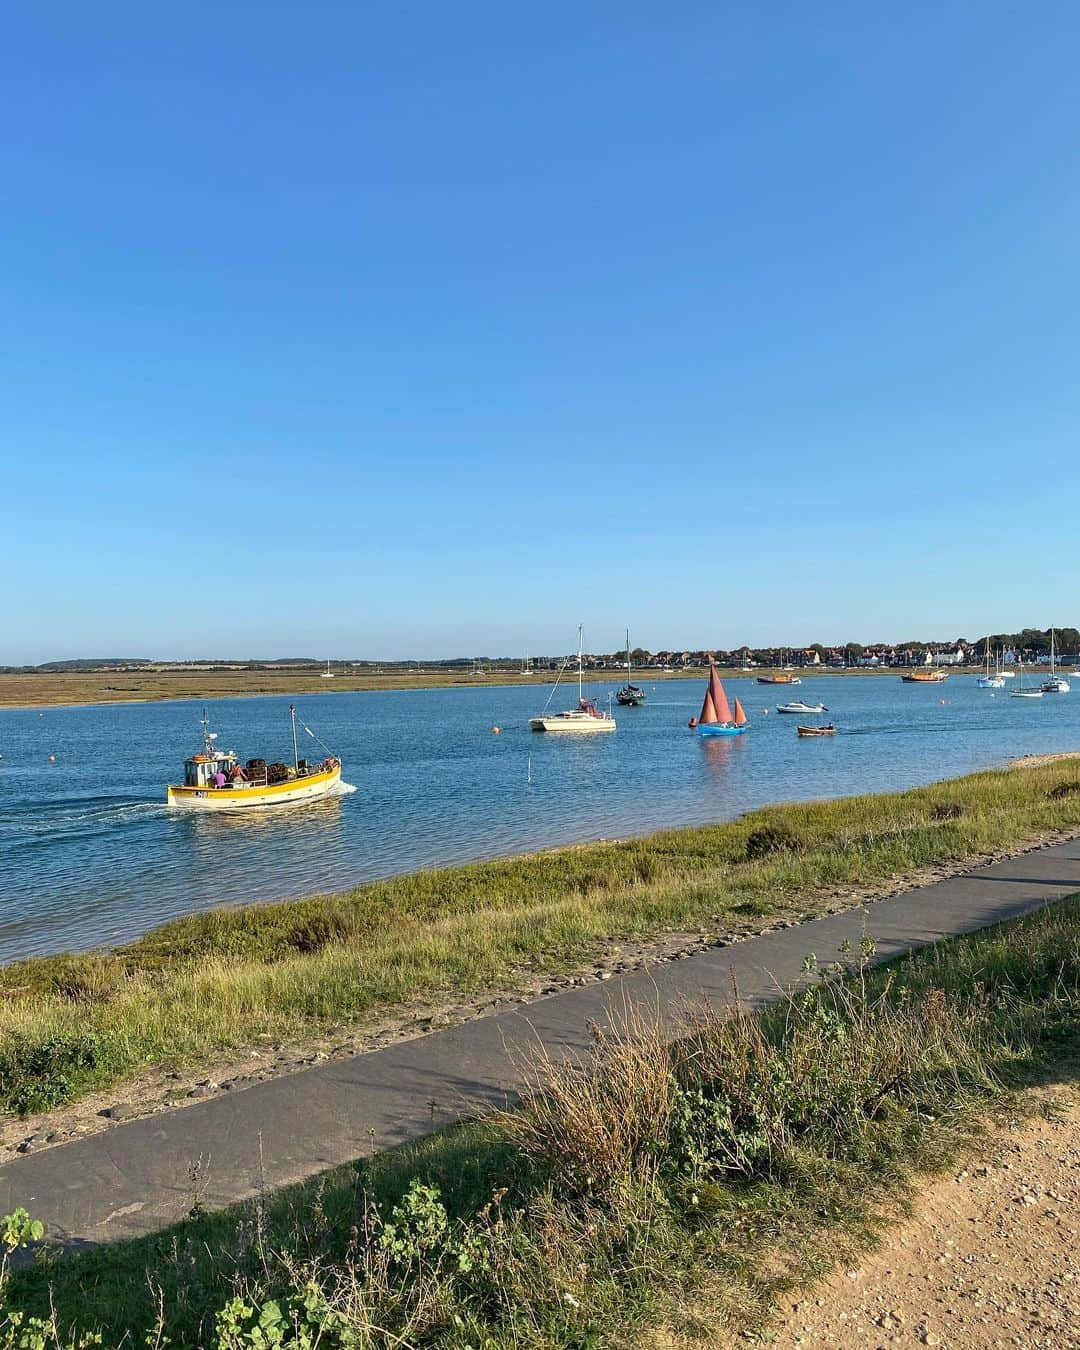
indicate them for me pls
(769, 839)
(36, 1075)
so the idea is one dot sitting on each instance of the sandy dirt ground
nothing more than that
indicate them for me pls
(990, 1257)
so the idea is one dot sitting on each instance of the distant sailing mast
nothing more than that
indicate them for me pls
(1055, 684)
(630, 695)
(716, 717)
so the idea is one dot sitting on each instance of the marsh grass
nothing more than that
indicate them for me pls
(633, 1186)
(219, 981)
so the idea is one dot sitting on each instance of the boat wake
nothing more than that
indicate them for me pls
(342, 790)
(74, 820)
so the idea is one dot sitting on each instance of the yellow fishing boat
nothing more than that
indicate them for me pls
(215, 780)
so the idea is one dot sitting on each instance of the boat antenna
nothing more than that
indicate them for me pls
(295, 753)
(208, 740)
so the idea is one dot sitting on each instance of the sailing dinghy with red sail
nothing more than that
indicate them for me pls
(717, 718)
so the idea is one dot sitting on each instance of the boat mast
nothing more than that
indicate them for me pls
(295, 752)
(208, 740)
(628, 658)
(580, 653)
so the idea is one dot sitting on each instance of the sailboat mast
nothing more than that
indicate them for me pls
(295, 752)
(580, 651)
(628, 657)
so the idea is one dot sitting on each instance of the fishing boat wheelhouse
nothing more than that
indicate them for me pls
(215, 780)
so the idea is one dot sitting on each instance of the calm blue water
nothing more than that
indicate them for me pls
(90, 855)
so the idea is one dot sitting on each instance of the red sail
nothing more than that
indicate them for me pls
(719, 698)
(708, 712)
(740, 716)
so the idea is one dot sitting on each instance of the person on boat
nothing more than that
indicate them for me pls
(219, 779)
(238, 775)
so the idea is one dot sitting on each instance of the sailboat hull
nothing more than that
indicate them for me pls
(570, 723)
(720, 729)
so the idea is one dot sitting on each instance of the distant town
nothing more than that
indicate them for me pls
(1030, 645)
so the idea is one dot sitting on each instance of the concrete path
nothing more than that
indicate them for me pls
(136, 1177)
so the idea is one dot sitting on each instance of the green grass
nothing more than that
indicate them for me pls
(216, 982)
(628, 1189)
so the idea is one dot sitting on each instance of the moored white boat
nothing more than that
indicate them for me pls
(1020, 691)
(988, 681)
(215, 780)
(799, 707)
(585, 718)
(1054, 683)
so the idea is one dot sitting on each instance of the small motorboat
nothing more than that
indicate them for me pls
(829, 730)
(782, 678)
(799, 707)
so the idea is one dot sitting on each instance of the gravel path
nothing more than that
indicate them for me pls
(991, 1256)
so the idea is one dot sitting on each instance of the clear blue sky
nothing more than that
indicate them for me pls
(733, 323)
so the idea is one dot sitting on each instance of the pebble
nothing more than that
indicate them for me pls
(121, 1111)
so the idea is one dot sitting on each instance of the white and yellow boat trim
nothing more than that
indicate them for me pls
(214, 779)
(210, 798)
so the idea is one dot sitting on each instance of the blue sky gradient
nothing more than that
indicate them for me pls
(731, 325)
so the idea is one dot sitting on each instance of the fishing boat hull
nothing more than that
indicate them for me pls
(571, 724)
(719, 729)
(778, 679)
(938, 677)
(815, 731)
(292, 790)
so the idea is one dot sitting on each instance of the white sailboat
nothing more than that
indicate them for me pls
(586, 717)
(988, 681)
(327, 674)
(1020, 691)
(1054, 683)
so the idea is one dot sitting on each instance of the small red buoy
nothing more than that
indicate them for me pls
(692, 723)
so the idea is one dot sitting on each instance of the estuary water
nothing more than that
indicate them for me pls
(90, 855)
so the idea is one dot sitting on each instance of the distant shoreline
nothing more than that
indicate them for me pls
(25, 692)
